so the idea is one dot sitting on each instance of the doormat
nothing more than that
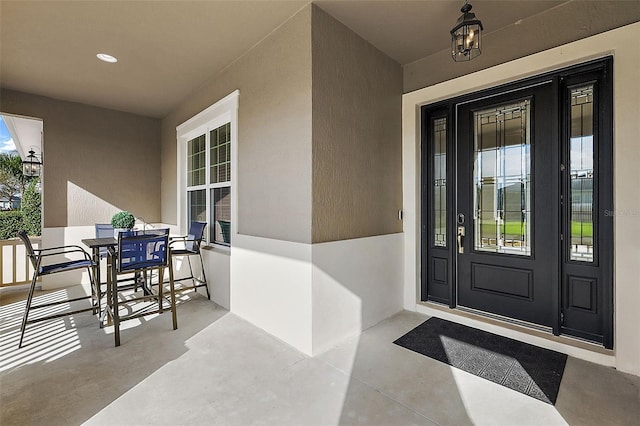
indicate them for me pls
(528, 369)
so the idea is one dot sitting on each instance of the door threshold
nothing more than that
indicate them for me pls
(519, 330)
(506, 320)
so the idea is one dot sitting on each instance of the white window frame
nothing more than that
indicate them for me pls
(222, 112)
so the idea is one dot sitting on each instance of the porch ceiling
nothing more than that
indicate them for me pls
(166, 50)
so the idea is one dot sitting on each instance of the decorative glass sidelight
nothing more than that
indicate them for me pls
(440, 182)
(502, 179)
(581, 173)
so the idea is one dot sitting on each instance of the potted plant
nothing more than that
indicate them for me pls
(122, 221)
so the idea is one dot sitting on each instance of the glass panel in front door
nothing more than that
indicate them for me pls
(502, 179)
(581, 158)
(440, 182)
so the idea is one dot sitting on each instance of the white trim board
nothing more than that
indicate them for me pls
(223, 111)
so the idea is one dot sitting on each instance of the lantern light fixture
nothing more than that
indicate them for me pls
(31, 166)
(466, 35)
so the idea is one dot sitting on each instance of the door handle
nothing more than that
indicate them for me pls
(461, 233)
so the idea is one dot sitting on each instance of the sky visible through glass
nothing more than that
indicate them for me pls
(6, 143)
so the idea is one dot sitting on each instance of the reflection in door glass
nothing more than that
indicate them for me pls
(502, 178)
(581, 173)
(440, 182)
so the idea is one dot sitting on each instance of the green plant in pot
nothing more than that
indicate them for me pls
(122, 221)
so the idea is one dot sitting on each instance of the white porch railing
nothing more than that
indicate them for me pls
(15, 266)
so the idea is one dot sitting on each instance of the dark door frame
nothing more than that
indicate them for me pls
(440, 262)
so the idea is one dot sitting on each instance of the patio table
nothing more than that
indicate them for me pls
(142, 255)
(111, 244)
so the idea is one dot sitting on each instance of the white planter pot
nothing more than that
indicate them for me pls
(116, 231)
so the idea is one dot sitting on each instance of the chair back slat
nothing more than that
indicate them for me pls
(142, 249)
(29, 247)
(104, 230)
(196, 232)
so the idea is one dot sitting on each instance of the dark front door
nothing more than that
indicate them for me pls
(517, 203)
(506, 223)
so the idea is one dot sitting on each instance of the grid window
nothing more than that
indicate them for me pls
(206, 155)
(209, 182)
(221, 154)
(221, 215)
(197, 205)
(196, 162)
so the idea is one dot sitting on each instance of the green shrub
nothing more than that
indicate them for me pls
(10, 223)
(31, 209)
(123, 220)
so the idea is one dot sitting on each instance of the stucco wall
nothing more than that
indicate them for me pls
(357, 168)
(337, 123)
(96, 161)
(570, 21)
(274, 136)
(336, 176)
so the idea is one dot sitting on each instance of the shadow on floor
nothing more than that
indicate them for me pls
(432, 392)
(68, 369)
(219, 369)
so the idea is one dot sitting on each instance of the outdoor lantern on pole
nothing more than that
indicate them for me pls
(466, 35)
(31, 166)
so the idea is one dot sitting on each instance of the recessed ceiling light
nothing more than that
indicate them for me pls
(107, 58)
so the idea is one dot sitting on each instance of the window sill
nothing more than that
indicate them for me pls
(217, 248)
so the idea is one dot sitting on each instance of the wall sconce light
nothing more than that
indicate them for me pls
(466, 35)
(31, 166)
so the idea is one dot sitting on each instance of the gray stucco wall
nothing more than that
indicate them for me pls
(96, 161)
(274, 134)
(568, 22)
(357, 107)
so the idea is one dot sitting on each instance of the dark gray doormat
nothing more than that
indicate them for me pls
(528, 369)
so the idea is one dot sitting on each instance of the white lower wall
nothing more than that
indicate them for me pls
(217, 263)
(310, 296)
(217, 267)
(271, 287)
(63, 236)
(313, 296)
(356, 284)
(622, 43)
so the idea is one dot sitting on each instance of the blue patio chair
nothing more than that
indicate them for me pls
(105, 230)
(140, 252)
(190, 246)
(40, 269)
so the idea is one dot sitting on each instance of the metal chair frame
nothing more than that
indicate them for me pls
(37, 256)
(192, 248)
(105, 230)
(140, 252)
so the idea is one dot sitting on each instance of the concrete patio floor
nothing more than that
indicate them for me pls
(219, 369)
